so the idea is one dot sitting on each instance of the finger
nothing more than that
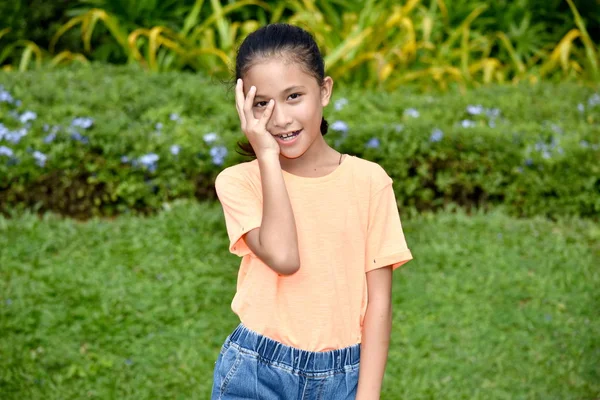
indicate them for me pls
(266, 115)
(239, 102)
(248, 105)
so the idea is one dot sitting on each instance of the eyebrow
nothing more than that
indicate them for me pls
(291, 88)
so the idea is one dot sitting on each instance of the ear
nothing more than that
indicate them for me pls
(326, 90)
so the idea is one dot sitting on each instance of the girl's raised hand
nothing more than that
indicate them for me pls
(255, 130)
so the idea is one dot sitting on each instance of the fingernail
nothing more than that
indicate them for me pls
(271, 101)
(252, 88)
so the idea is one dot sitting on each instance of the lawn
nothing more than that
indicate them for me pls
(136, 308)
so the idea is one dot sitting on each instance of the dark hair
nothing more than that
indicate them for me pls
(288, 41)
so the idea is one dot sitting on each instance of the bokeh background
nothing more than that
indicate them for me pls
(116, 116)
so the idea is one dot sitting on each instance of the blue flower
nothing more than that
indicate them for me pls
(210, 137)
(412, 112)
(436, 135)
(340, 126)
(556, 128)
(584, 144)
(5, 97)
(14, 136)
(341, 103)
(175, 149)
(581, 107)
(475, 109)
(40, 158)
(594, 100)
(492, 112)
(158, 126)
(50, 137)
(467, 123)
(373, 143)
(540, 146)
(6, 151)
(149, 160)
(124, 159)
(399, 127)
(218, 154)
(3, 131)
(529, 162)
(82, 122)
(128, 361)
(27, 116)
(79, 137)
(174, 117)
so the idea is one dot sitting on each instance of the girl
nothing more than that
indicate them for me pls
(318, 232)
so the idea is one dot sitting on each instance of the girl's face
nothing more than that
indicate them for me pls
(299, 102)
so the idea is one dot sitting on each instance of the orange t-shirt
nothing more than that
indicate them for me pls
(347, 224)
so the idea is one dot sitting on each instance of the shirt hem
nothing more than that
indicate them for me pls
(395, 260)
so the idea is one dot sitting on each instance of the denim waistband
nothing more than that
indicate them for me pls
(303, 360)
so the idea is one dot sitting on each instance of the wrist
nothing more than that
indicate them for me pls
(268, 159)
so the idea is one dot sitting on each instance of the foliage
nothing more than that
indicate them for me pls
(107, 140)
(33, 20)
(137, 308)
(379, 44)
(206, 45)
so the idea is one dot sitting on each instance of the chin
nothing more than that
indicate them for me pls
(292, 156)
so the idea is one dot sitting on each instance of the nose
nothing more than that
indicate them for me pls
(280, 117)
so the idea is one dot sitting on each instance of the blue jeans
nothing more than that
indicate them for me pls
(252, 366)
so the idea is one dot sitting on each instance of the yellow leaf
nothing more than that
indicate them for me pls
(385, 72)
(68, 56)
(4, 32)
(427, 27)
(410, 4)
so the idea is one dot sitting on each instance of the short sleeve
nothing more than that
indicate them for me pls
(386, 244)
(242, 209)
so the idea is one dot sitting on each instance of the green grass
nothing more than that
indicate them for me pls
(137, 308)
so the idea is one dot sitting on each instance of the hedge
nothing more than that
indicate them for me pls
(106, 140)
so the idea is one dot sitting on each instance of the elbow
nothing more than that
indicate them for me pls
(286, 266)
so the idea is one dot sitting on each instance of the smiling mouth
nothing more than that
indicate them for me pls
(288, 136)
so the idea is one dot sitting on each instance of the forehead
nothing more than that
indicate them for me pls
(274, 76)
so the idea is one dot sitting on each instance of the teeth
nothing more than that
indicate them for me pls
(288, 135)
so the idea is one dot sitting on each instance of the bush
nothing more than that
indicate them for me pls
(107, 140)
(435, 43)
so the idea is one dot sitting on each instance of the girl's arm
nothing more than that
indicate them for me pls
(376, 332)
(276, 241)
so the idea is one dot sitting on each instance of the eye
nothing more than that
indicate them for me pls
(261, 104)
(295, 96)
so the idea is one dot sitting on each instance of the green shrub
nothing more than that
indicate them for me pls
(531, 149)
